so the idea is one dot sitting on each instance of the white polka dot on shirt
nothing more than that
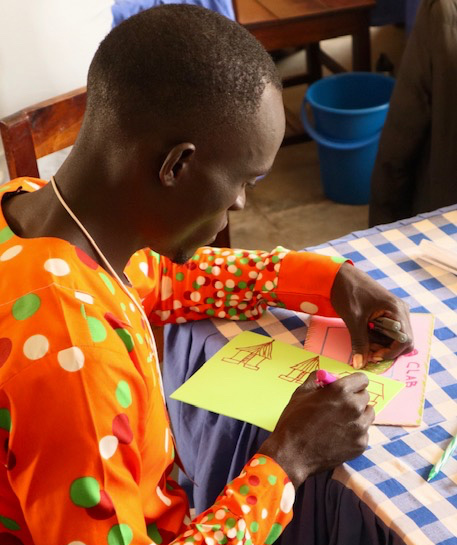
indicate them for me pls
(11, 252)
(144, 268)
(107, 446)
(57, 266)
(162, 496)
(84, 297)
(308, 307)
(166, 288)
(71, 359)
(35, 347)
(287, 498)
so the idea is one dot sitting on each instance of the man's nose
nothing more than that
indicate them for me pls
(240, 201)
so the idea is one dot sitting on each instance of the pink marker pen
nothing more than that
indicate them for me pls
(324, 377)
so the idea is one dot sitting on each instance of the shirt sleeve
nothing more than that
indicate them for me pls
(253, 508)
(233, 284)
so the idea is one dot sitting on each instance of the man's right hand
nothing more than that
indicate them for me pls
(321, 428)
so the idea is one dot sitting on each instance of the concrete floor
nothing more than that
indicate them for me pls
(288, 207)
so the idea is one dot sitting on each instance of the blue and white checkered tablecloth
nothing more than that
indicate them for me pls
(391, 476)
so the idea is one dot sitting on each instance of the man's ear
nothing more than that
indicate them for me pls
(176, 160)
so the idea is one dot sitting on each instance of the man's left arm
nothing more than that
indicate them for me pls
(233, 284)
(240, 284)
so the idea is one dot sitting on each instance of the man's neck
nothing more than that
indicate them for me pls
(40, 214)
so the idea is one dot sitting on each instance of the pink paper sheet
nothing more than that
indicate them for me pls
(330, 337)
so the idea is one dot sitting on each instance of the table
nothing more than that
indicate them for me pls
(382, 496)
(304, 23)
(293, 23)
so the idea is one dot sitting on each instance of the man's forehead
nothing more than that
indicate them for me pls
(248, 145)
(266, 132)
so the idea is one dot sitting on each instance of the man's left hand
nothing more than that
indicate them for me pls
(358, 299)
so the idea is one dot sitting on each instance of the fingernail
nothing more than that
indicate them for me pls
(357, 361)
(377, 359)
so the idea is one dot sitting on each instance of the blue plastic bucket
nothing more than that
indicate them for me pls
(349, 111)
(350, 106)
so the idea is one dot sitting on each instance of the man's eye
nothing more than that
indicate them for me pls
(251, 185)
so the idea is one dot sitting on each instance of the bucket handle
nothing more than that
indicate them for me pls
(336, 144)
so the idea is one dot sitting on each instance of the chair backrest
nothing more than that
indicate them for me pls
(41, 129)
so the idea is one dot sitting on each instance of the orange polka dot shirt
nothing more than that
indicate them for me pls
(86, 448)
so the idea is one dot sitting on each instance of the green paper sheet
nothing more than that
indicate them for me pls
(253, 377)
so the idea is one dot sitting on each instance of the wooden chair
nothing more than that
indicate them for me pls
(41, 129)
(51, 126)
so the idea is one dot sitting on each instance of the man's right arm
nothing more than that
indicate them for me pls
(321, 427)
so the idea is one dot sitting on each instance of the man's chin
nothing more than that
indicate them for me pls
(183, 256)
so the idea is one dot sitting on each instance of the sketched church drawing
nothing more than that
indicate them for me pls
(300, 371)
(251, 356)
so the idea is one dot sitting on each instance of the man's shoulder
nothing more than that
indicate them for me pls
(51, 302)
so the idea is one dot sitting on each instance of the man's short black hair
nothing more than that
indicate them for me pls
(178, 64)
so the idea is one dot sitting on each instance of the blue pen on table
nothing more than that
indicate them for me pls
(390, 328)
(448, 452)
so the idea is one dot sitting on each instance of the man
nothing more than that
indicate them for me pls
(184, 112)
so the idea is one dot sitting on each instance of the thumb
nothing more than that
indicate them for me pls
(360, 348)
(310, 383)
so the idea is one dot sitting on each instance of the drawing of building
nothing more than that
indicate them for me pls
(300, 371)
(251, 356)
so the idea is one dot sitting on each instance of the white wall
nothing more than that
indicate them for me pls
(45, 49)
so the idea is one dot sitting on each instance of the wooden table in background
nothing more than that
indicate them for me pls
(282, 24)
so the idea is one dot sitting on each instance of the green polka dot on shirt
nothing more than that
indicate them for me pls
(85, 492)
(120, 534)
(126, 338)
(26, 306)
(5, 234)
(153, 533)
(275, 532)
(244, 489)
(107, 282)
(9, 523)
(5, 419)
(97, 329)
(338, 259)
(123, 394)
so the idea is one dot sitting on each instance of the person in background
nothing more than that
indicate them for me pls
(415, 169)
(184, 114)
